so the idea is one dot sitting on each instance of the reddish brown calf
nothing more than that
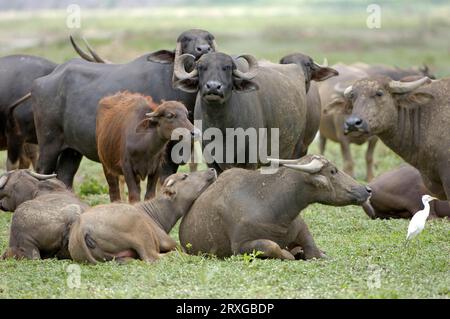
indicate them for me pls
(132, 133)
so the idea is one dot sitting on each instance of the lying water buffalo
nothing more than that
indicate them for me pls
(123, 231)
(44, 211)
(65, 102)
(132, 134)
(398, 194)
(246, 211)
(16, 123)
(273, 97)
(412, 119)
(312, 72)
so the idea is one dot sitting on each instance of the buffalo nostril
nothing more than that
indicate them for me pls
(208, 86)
(198, 49)
(369, 190)
(358, 122)
(219, 87)
(209, 49)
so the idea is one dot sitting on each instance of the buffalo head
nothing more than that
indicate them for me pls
(215, 76)
(375, 103)
(19, 186)
(194, 42)
(327, 184)
(312, 70)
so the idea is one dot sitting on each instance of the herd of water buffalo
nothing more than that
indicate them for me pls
(123, 116)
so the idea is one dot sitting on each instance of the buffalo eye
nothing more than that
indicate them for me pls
(379, 93)
(184, 177)
(170, 115)
(334, 171)
(226, 68)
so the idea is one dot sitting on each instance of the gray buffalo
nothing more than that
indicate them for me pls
(264, 96)
(246, 211)
(17, 133)
(44, 211)
(66, 101)
(411, 118)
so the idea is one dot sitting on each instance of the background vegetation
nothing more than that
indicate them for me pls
(367, 259)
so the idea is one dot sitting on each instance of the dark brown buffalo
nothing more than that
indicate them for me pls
(132, 134)
(246, 211)
(398, 194)
(123, 231)
(44, 211)
(412, 119)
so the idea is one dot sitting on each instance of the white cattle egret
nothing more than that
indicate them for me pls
(417, 223)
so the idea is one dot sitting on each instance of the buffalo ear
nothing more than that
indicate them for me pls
(337, 106)
(319, 181)
(416, 99)
(187, 85)
(323, 73)
(244, 86)
(162, 56)
(144, 125)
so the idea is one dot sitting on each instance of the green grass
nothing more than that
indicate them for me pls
(360, 251)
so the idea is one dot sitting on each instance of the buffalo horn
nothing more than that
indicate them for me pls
(252, 68)
(41, 177)
(404, 87)
(312, 167)
(348, 90)
(179, 69)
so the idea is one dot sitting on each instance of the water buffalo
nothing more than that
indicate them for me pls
(398, 194)
(336, 107)
(66, 101)
(132, 134)
(123, 231)
(312, 72)
(44, 211)
(273, 97)
(246, 211)
(17, 133)
(412, 119)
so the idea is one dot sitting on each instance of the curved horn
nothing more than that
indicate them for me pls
(80, 52)
(41, 177)
(180, 71)
(404, 87)
(94, 54)
(214, 45)
(252, 68)
(282, 161)
(348, 90)
(151, 114)
(340, 88)
(312, 167)
(324, 65)
(177, 50)
(3, 181)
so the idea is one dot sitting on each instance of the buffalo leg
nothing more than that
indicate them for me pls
(305, 240)
(322, 144)
(369, 157)
(133, 183)
(347, 156)
(269, 249)
(48, 156)
(152, 179)
(113, 186)
(68, 164)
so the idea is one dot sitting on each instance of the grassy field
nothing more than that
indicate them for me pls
(366, 258)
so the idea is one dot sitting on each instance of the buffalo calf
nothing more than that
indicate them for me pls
(44, 211)
(123, 231)
(132, 133)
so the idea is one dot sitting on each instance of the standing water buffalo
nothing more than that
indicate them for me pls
(246, 211)
(132, 134)
(313, 72)
(273, 97)
(17, 133)
(123, 231)
(398, 194)
(44, 211)
(412, 119)
(66, 101)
